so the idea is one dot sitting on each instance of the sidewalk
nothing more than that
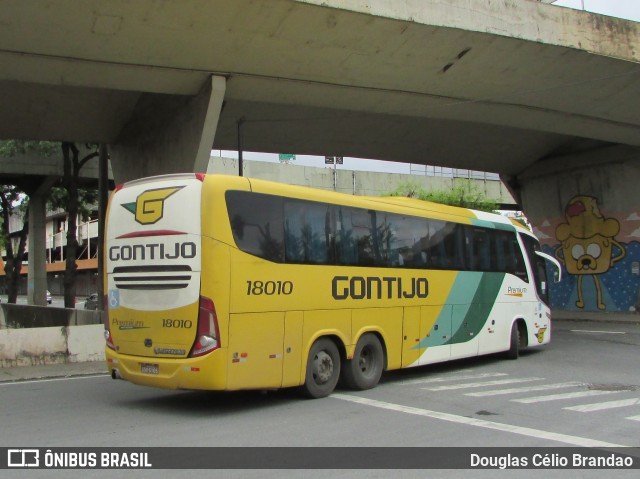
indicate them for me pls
(595, 317)
(51, 371)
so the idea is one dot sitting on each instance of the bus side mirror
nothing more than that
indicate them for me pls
(557, 270)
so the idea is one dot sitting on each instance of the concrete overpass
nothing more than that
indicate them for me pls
(528, 90)
(466, 83)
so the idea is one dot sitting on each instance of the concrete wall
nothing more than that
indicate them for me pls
(35, 335)
(587, 213)
(348, 181)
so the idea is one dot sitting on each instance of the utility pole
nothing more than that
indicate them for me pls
(240, 165)
(103, 197)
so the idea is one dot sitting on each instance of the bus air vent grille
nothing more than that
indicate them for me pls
(152, 277)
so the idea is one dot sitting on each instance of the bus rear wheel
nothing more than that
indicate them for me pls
(323, 369)
(365, 369)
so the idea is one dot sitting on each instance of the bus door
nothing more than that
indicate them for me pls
(292, 363)
(435, 331)
(411, 336)
(464, 318)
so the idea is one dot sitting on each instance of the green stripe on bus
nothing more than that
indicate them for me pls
(466, 326)
(471, 299)
(464, 287)
(492, 225)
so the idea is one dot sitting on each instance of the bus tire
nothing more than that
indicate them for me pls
(514, 347)
(323, 369)
(365, 369)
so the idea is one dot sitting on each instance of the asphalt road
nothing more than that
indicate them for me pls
(581, 390)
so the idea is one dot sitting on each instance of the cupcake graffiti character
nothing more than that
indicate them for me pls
(587, 242)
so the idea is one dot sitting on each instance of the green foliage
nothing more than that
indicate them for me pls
(87, 200)
(12, 200)
(9, 148)
(59, 197)
(464, 194)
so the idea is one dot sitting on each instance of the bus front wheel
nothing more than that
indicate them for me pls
(365, 369)
(323, 369)
(517, 342)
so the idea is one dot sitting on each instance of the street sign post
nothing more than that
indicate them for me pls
(333, 160)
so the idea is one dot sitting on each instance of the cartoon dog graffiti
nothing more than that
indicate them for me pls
(587, 241)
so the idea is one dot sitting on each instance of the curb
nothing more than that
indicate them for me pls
(52, 371)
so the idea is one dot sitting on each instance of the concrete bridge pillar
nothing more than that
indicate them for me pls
(37, 244)
(585, 208)
(169, 134)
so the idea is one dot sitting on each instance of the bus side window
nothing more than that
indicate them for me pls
(407, 241)
(307, 232)
(358, 238)
(503, 262)
(519, 268)
(256, 224)
(478, 248)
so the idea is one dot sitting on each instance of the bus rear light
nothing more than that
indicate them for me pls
(105, 320)
(208, 335)
(200, 176)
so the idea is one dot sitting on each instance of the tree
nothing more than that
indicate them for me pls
(11, 198)
(464, 194)
(70, 180)
(70, 197)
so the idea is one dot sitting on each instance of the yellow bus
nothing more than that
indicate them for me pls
(224, 283)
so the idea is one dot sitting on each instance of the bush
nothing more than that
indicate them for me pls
(464, 194)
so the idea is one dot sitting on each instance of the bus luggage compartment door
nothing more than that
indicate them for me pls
(255, 350)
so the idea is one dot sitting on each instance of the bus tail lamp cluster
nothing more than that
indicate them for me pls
(208, 336)
(107, 328)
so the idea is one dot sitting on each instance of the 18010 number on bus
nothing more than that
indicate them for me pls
(269, 288)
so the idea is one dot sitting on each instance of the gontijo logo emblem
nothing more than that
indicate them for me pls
(149, 206)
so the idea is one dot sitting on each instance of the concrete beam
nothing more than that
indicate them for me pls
(34, 164)
(169, 133)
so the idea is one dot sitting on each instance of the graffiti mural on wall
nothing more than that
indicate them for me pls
(587, 244)
(600, 255)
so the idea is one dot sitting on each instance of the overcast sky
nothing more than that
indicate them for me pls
(629, 9)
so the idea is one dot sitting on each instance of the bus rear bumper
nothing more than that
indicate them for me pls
(207, 372)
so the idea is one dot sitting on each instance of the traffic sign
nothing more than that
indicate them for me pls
(287, 157)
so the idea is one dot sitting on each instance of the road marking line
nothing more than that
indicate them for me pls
(34, 381)
(540, 387)
(604, 405)
(634, 418)
(469, 421)
(596, 332)
(555, 397)
(447, 378)
(449, 387)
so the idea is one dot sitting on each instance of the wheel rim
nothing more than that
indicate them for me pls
(322, 367)
(367, 361)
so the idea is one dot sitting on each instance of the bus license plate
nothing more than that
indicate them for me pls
(146, 368)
